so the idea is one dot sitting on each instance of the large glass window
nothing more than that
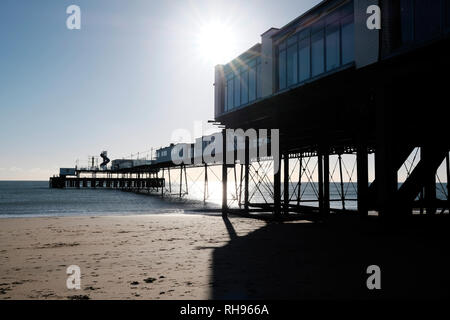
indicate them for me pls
(292, 61)
(333, 48)
(237, 91)
(282, 67)
(252, 81)
(317, 53)
(225, 105)
(230, 94)
(325, 45)
(304, 55)
(244, 85)
(422, 20)
(407, 21)
(258, 79)
(428, 19)
(348, 39)
(305, 59)
(447, 15)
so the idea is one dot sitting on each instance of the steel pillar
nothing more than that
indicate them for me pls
(326, 181)
(247, 172)
(320, 178)
(277, 187)
(429, 181)
(447, 165)
(385, 169)
(205, 187)
(362, 172)
(286, 183)
(224, 175)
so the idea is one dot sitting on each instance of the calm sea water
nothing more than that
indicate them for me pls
(35, 198)
(29, 198)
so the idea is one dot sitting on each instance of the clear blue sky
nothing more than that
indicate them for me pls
(122, 83)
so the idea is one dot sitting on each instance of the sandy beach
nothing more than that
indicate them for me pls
(120, 257)
(188, 256)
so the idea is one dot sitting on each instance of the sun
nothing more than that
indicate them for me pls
(216, 42)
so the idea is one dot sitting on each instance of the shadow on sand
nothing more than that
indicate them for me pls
(304, 260)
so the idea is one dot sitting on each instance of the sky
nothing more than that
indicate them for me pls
(135, 72)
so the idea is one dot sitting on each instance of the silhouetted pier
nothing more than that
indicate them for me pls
(333, 88)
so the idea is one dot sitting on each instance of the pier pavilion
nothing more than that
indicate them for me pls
(332, 86)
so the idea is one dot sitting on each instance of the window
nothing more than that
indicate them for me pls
(423, 20)
(407, 21)
(230, 93)
(324, 46)
(428, 19)
(304, 58)
(244, 85)
(332, 44)
(282, 67)
(304, 55)
(225, 105)
(348, 38)
(317, 53)
(237, 91)
(292, 65)
(252, 81)
(258, 78)
(447, 14)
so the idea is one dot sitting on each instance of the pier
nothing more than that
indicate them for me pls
(333, 88)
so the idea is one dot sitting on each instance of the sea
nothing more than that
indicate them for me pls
(36, 199)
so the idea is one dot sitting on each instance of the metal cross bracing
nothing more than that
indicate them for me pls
(438, 189)
(299, 187)
(308, 181)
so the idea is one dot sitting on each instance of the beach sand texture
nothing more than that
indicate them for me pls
(120, 257)
(204, 256)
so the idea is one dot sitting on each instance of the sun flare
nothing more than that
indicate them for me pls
(216, 42)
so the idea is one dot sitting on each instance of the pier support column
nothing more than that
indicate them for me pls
(320, 178)
(300, 174)
(163, 184)
(181, 179)
(170, 182)
(277, 187)
(205, 186)
(447, 165)
(326, 181)
(385, 169)
(363, 179)
(286, 183)
(186, 181)
(429, 181)
(224, 175)
(341, 178)
(246, 173)
(386, 177)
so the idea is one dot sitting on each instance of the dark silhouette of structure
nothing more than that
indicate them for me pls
(105, 158)
(333, 86)
(329, 261)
